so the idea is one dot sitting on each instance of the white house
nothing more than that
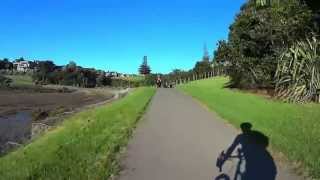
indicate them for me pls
(22, 66)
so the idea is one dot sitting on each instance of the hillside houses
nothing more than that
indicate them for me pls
(22, 66)
(114, 74)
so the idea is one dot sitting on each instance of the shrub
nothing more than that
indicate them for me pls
(4, 81)
(298, 72)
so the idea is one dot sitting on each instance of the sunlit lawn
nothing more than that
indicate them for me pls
(293, 129)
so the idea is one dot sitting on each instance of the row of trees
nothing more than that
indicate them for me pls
(71, 74)
(267, 40)
(46, 72)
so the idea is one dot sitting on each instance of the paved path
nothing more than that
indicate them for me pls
(178, 139)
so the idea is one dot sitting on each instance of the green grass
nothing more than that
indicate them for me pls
(136, 78)
(85, 146)
(293, 129)
(20, 80)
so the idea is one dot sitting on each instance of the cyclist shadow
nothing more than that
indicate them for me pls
(254, 160)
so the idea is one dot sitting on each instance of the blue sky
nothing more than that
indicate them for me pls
(115, 34)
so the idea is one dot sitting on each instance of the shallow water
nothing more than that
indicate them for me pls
(15, 127)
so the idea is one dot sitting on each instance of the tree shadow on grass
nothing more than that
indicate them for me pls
(254, 160)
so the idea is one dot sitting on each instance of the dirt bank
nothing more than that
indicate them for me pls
(26, 113)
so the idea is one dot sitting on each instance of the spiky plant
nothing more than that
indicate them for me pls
(298, 72)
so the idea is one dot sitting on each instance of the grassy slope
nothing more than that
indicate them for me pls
(293, 129)
(21, 80)
(83, 147)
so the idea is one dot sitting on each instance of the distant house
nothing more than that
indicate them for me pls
(22, 66)
(116, 75)
(112, 74)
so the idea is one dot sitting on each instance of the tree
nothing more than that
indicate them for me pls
(313, 4)
(258, 37)
(90, 77)
(202, 67)
(103, 80)
(2, 64)
(43, 70)
(71, 67)
(71, 75)
(6, 64)
(222, 53)
(206, 56)
(144, 67)
(4, 81)
(177, 74)
(20, 59)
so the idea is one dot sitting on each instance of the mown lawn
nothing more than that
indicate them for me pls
(293, 129)
(85, 146)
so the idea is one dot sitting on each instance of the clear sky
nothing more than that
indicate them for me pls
(115, 34)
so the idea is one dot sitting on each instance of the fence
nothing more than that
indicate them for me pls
(216, 71)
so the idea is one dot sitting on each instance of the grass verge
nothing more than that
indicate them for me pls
(293, 129)
(83, 147)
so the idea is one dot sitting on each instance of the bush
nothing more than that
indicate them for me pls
(258, 37)
(298, 72)
(4, 81)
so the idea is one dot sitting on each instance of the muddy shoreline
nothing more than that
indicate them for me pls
(25, 116)
(15, 129)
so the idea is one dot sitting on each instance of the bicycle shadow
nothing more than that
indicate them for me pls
(255, 162)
